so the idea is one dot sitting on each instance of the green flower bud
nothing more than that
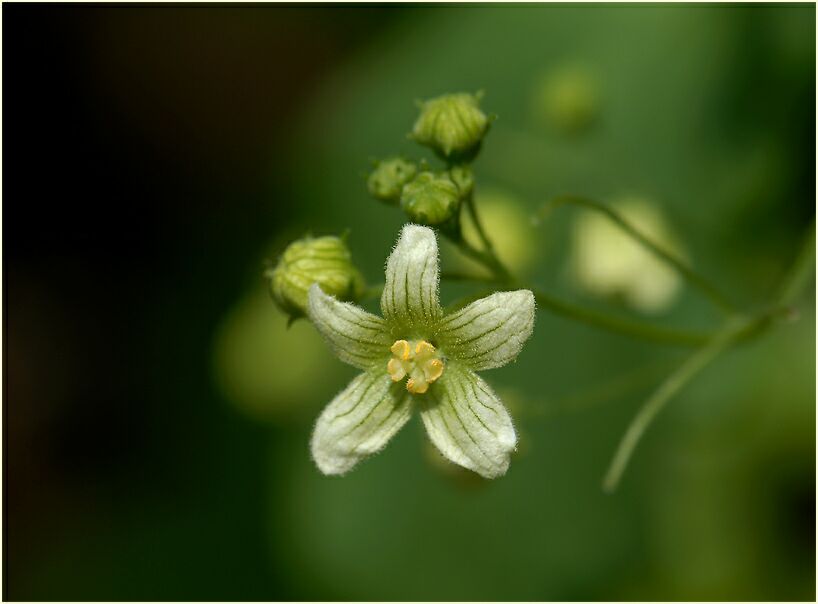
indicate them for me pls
(453, 125)
(430, 199)
(322, 260)
(387, 179)
(463, 177)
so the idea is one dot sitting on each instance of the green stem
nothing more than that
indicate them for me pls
(696, 280)
(800, 273)
(737, 328)
(485, 257)
(635, 329)
(478, 224)
(698, 361)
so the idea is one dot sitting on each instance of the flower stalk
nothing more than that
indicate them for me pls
(696, 280)
(736, 328)
(500, 275)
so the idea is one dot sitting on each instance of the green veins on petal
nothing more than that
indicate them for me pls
(463, 417)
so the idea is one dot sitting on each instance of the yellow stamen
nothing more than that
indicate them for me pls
(415, 387)
(419, 360)
(433, 369)
(401, 349)
(423, 348)
(395, 370)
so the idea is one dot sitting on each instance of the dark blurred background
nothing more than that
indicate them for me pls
(157, 413)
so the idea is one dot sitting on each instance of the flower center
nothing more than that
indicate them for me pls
(417, 359)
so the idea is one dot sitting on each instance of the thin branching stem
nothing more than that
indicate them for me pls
(670, 386)
(735, 329)
(622, 325)
(485, 257)
(695, 279)
(478, 224)
(502, 276)
(800, 273)
(635, 329)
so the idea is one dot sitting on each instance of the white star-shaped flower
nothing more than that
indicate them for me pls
(417, 358)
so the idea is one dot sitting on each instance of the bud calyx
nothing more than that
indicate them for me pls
(386, 181)
(430, 199)
(453, 125)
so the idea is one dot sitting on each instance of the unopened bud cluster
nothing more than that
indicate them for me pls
(453, 126)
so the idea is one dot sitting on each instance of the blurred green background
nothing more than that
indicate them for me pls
(158, 413)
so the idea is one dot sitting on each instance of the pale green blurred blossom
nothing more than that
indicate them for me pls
(436, 355)
(608, 262)
(566, 99)
(247, 357)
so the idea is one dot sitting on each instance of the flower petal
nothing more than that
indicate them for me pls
(410, 292)
(357, 337)
(359, 421)
(468, 423)
(490, 332)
